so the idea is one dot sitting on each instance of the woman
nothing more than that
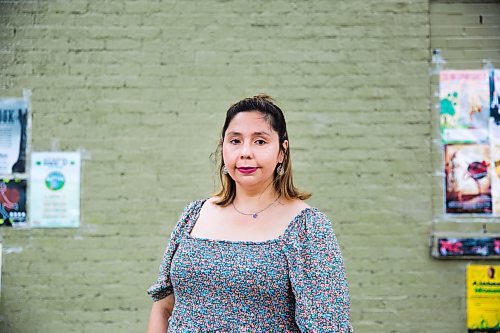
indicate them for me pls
(254, 257)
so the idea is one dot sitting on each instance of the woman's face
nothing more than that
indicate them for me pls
(251, 150)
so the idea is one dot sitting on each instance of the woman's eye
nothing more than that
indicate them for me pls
(260, 142)
(234, 141)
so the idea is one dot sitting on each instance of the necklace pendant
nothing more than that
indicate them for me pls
(255, 215)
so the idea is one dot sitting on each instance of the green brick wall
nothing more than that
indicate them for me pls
(142, 88)
(467, 32)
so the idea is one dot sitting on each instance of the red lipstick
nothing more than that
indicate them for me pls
(247, 170)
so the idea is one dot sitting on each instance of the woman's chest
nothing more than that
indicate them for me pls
(216, 269)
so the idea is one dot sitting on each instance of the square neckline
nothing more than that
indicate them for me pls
(196, 215)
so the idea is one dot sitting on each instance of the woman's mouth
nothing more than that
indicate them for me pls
(247, 170)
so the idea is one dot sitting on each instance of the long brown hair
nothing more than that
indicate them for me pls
(283, 184)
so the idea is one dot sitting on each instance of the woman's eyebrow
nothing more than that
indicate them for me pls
(254, 133)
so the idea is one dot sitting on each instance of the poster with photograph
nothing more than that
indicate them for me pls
(460, 247)
(13, 135)
(12, 202)
(468, 179)
(483, 298)
(55, 190)
(464, 105)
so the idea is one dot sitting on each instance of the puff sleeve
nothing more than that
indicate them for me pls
(163, 285)
(317, 275)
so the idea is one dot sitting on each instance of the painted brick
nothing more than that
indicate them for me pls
(142, 87)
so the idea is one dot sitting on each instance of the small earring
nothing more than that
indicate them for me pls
(224, 170)
(279, 170)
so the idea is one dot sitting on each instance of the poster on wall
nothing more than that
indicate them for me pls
(494, 138)
(1, 249)
(54, 194)
(495, 96)
(468, 179)
(495, 174)
(469, 247)
(483, 298)
(12, 202)
(13, 135)
(464, 105)
(470, 128)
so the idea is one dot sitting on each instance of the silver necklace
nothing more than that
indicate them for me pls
(256, 214)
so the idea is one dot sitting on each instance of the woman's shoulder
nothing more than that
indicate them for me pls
(194, 205)
(189, 214)
(190, 209)
(299, 205)
(308, 220)
(200, 207)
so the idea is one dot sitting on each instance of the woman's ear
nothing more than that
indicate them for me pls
(281, 155)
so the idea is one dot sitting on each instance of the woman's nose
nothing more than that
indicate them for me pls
(246, 150)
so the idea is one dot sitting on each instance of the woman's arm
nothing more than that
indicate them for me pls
(160, 312)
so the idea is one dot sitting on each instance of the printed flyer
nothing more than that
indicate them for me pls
(12, 202)
(55, 190)
(13, 135)
(470, 128)
(468, 179)
(464, 105)
(483, 298)
(462, 247)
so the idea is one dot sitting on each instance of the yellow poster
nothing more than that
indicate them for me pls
(483, 298)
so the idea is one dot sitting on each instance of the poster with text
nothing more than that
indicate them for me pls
(55, 190)
(483, 298)
(12, 202)
(468, 179)
(464, 105)
(13, 135)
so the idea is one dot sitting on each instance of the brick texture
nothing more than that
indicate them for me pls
(466, 32)
(142, 87)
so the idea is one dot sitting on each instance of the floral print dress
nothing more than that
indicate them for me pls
(294, 283)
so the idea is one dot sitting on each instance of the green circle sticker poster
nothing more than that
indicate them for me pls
(54, 192)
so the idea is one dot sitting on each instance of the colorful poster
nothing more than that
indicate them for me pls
(468, 179)
(12, 202)
(55, 190)
(13, 135)
(464, 105)
(461, 247)
(483, 298)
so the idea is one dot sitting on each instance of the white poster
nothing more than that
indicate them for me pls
(54, 190)
(13, 135)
